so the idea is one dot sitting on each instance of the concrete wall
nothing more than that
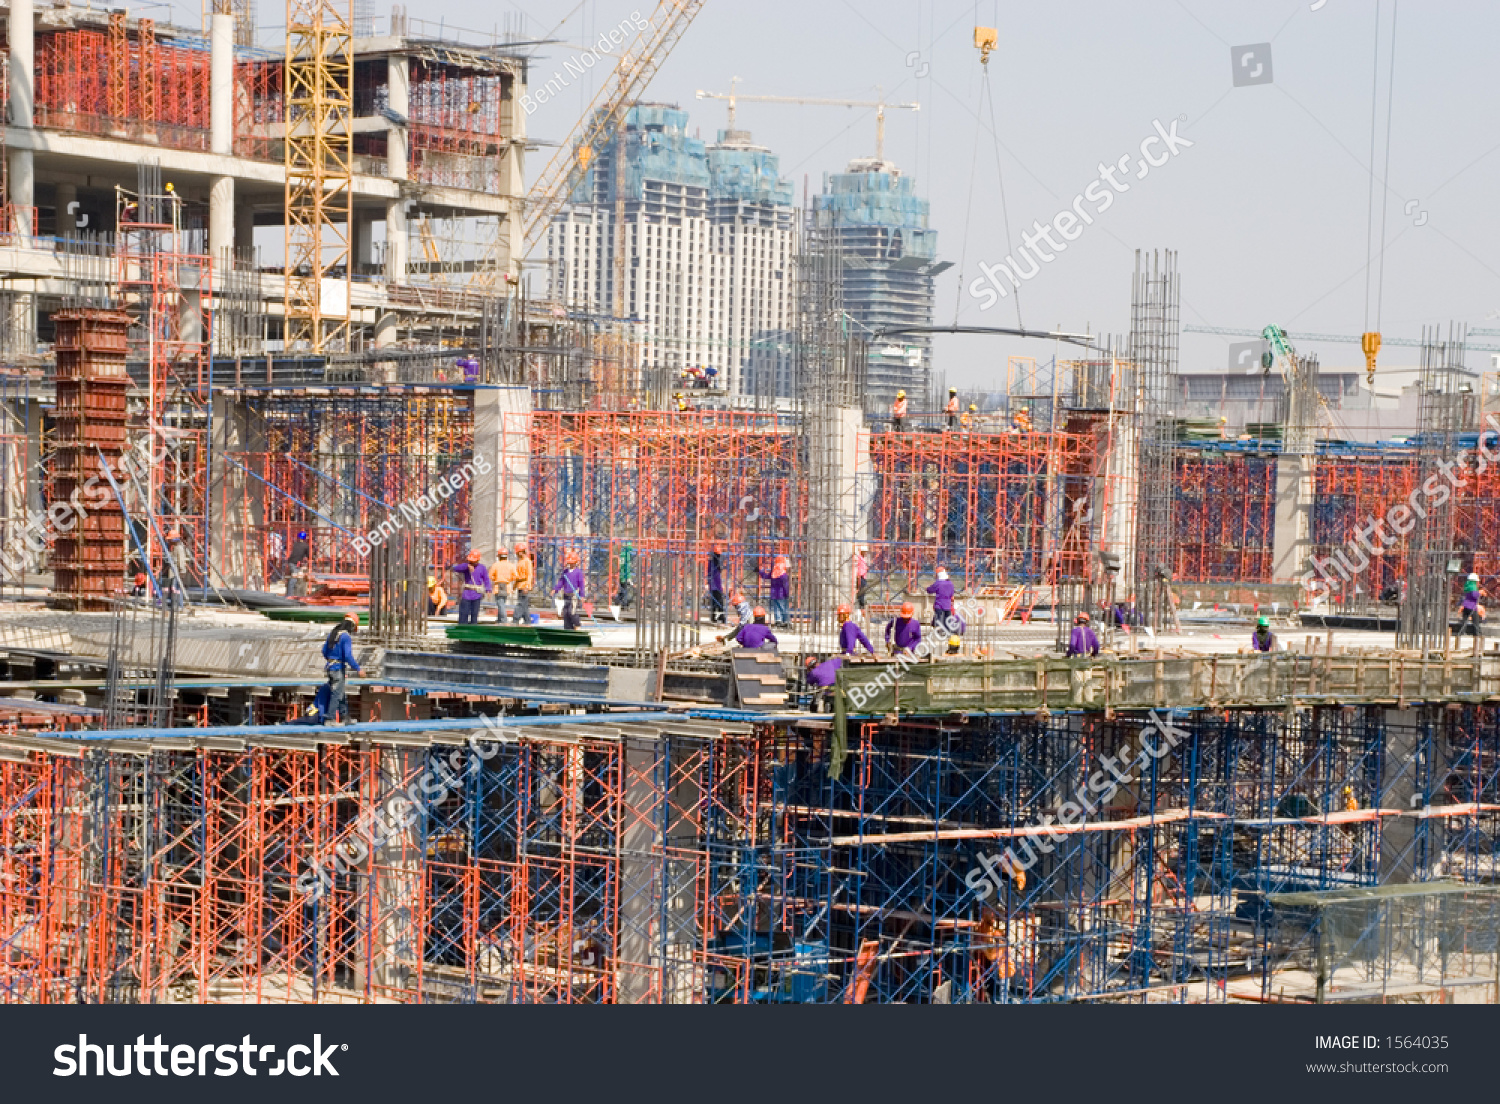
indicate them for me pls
(499, 509)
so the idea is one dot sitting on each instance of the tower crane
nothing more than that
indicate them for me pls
(879, 105)
(604, 118)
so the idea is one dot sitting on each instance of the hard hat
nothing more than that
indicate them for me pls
(955, 642)
(1264, 623)
(302, 534)
(174, 535)
(570, 557)
(473, 557)
(1082, 618)
(502, 554)
(520, 548)
(678, 395)
(907, 609)
(140, 578)
(810, 661)
(737, 598)
(972, 407)
(431, 581)
(900, 394)
(758, 613)
(953, 390)
(845, 611)
(1473, 577)
(170, 189)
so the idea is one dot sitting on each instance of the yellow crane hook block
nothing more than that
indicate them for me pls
(1370, 343)
(985, 39)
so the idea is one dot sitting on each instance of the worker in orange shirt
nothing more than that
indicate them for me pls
(437, 597)
(952, 408)
(898, 412)
(503, 576)
(523, 579)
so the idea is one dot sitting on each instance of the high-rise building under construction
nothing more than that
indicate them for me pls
(710, 233)
(873, 218)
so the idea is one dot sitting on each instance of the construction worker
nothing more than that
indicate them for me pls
(1263, 639)
(570, 585)
(626, 573)
(503, 578)
(943, 616)
(437, 597)
(821, 677)
(755, 634)
(861, 577)
(522, 582)
(301, 552)
(952, 408)
(716, 584)
(1021, 420)
(781, 590)
(476, 587)
(955, 645)
(338, 658)
(898, 412)
(140, 589)
(1469, 608)
(1082, 642)
(970, 420)
(683, 406)
(904, 632)
(742, 609)
(851, 636)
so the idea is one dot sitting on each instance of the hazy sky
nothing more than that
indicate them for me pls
(1269, 209)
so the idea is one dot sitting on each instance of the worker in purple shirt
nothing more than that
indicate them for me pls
(476, 579)
(904, 633)
(822, 675)
(716, 584)
(755, 634)
(1263, 639)
(942, 598)
(570, 585)
(1082, 642)
(851, 636)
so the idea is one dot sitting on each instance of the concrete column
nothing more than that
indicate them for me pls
(244, 227)
(640, 937)
(839, 492)
(1292, 547)
(502, 438)
(65, 196)
(364, 238)
(22, 114)
(398, 93)
(385, 329)
(221, 84)
(1399, 790)
(236, 501)
(221, 220)
(395, 241)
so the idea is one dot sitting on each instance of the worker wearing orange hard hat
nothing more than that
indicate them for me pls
(903, 633)
(525, 579)
(476, 584)
(570, 585)
(755, 635)
(851, 636)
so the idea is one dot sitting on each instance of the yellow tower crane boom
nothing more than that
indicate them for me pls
(880, 105)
